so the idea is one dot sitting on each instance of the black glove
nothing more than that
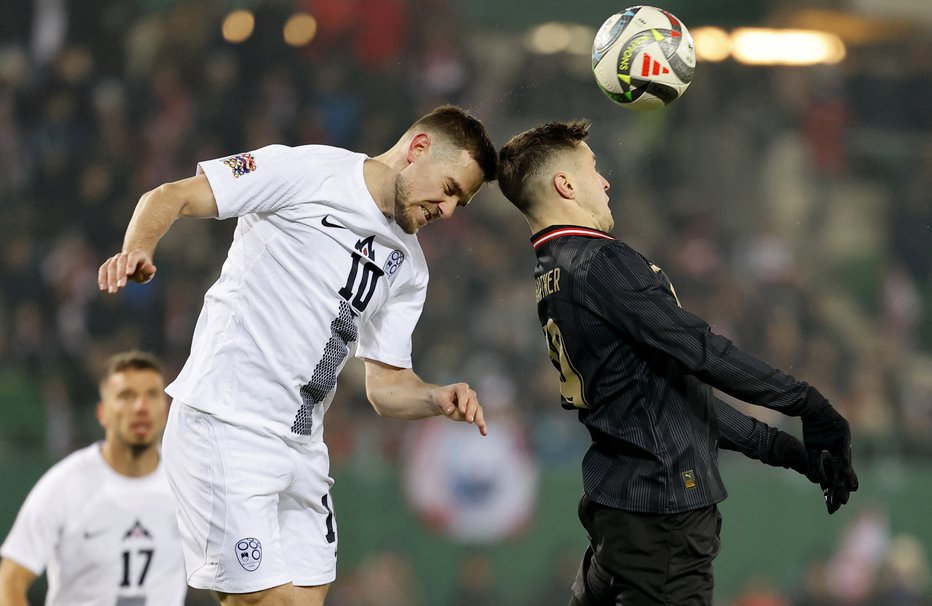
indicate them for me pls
(788, 452)
(842, 481)
(826, 431)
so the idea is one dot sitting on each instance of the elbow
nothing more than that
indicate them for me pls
(168, 195)
(378, 409)
(377, 405)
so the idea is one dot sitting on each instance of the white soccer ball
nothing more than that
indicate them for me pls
(643, 58)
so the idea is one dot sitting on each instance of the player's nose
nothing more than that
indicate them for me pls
(141, 405)
(447, 208)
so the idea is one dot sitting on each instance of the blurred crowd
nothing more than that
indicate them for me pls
(789, 206)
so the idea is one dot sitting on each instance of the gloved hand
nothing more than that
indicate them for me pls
(841, 483)
(827, 438)
(788, 452)
(837, 485)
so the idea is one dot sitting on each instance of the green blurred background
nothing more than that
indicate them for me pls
(789, 205)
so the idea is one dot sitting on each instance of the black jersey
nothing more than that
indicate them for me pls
(640, 369)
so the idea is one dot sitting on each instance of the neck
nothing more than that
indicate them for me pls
(542, 220)
(130, 460)
(380, 174)
(380, 181)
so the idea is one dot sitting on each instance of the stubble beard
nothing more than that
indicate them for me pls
(402, 215)
(138, 450)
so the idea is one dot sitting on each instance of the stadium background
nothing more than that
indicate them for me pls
(791, 207)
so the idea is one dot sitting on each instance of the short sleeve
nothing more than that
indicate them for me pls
(386, 337)
(262, 181)
(38, 526)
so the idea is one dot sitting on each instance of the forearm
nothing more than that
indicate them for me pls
(14, 583)
(756, 440)
(402, 395)
(11, 597)
(741, 433)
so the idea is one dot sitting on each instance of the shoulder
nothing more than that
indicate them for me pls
(327, 154)
(78, 463)
(282, 157)
(623, 266)
(75, 476)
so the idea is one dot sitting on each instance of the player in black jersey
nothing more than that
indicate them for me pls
(640, 371)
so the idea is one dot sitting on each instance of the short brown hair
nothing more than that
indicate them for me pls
(527, 153)
(132, 360)
(465, 132)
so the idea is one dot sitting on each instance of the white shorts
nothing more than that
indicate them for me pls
(254, 509)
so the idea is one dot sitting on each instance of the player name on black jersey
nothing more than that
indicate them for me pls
(547, 283)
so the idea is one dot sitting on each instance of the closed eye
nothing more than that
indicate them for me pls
(454, 189)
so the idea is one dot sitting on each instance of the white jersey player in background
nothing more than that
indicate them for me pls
(102, 520)
(324, 264)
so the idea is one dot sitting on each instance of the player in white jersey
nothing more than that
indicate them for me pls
(324, 264)
(101, 522)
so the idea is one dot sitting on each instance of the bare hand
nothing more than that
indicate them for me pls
(134, 265)
(459, 402)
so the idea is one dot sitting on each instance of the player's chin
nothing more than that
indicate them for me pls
(408, 224)
(142, 440)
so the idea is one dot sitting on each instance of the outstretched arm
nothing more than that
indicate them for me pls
(399, 393)
(155, 212)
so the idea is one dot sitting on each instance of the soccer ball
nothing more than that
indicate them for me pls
(643, 58)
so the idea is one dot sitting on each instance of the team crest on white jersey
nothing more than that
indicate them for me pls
(243, 164)
(249, 553)
(394, 261)
(137, 531)
(366, 247)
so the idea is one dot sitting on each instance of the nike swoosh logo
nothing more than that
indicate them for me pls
(93, 534)
(326, 222)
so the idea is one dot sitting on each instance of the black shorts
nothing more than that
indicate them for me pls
(639, 559)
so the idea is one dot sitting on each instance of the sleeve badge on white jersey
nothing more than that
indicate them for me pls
(242, 164)
(394, 261)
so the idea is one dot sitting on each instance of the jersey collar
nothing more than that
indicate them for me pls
(557, 231)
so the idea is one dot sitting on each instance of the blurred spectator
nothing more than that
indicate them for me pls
(749, 192)
(760, 591)
(475, 585)
(904, 575)
(382, 578)
(852, 571)
(474, 491)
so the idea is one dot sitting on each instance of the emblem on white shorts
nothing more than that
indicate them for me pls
(249, 553)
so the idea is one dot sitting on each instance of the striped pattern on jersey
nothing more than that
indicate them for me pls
(640, 370)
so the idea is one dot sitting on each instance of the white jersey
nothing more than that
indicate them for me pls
(315, 273)
(105, 539)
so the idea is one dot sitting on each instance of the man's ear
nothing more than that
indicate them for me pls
(419, 145)
(100, 414)
(564, 186)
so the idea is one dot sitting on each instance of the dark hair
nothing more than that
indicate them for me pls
(133, 360)
(526, 154)
(465, 132)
